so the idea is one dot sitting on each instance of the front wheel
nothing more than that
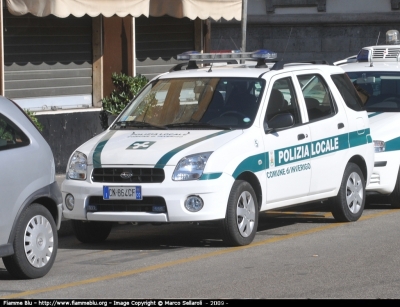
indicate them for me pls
(35, 244)
(395, 196)
(91, 232)
(349, 204)
(240, 224)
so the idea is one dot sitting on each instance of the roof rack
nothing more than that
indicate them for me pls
(280, 64)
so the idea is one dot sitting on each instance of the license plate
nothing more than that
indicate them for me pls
(120, 192)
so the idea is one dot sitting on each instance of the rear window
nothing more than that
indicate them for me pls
(10, 135)
(381, 87)
(348, 92)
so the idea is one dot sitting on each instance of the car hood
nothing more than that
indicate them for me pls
(385, 126)
(152, 147)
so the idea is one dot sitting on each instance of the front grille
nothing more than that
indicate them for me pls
(147, 204)
(139, 175)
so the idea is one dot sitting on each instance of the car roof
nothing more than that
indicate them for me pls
(373, 58)
(376, 66)
(13, 111)
(247, 71)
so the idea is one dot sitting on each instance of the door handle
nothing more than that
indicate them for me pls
(340, 125)
(301, 136)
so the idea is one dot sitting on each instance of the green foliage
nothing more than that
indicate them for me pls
(34, 119)
(126, 87)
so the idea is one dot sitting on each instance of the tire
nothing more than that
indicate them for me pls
(91, 232)
(348, 205)
(35, 244)
(240, 224)
(395, 195)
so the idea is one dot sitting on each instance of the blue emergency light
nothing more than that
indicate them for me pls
(363, 55)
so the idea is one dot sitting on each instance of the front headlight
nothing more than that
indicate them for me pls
(77, 166)
(191, 167)
(379, 146)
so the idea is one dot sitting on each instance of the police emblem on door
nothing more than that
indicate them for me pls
(272, 159)
(140, 145)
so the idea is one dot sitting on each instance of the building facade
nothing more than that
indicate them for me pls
(60, 67)
(304, 30)
(58, 57)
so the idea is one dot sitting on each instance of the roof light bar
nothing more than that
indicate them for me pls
(264, 54)
(186, 55)
(256, 55)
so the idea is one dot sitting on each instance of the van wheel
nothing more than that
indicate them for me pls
(240, 224)
(349, 204)
(395, 196)
(35, 244)
(91, 232)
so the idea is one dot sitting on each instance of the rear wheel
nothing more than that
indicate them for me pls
(349, 204)
(395, 196)
(35, 244)
(91, 232)
(240, 224)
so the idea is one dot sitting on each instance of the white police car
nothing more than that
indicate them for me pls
(376, 73)
(223, 143)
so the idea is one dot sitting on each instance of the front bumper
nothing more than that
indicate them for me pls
(384, 173)
(214, 192)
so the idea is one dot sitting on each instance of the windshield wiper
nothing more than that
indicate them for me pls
(197, 125)
(136, 124)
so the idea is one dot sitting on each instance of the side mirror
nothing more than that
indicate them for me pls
(110, 119)
(279, 121)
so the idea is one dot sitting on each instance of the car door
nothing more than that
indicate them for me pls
(288, 174)
(328, 126)
(13, 177)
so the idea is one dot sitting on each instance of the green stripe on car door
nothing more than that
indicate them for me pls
(374, 114)
(305, 151)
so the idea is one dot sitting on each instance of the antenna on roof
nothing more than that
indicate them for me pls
(234, 43)
(287, 42)
(378, 38)
(215, 54)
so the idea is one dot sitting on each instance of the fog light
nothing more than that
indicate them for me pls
(194, 203)
(158, 208)
(69, 202)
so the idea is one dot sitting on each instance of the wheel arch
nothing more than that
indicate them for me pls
(48, 197)
(252, 179)
(360, 162)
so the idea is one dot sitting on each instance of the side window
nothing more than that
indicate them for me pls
(283, 100)
(348, 92)
(317, 96)
(10, 135)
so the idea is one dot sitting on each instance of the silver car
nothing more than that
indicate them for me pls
(30, 199)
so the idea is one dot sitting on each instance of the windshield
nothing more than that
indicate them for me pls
(214, 103)
(381, 89)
